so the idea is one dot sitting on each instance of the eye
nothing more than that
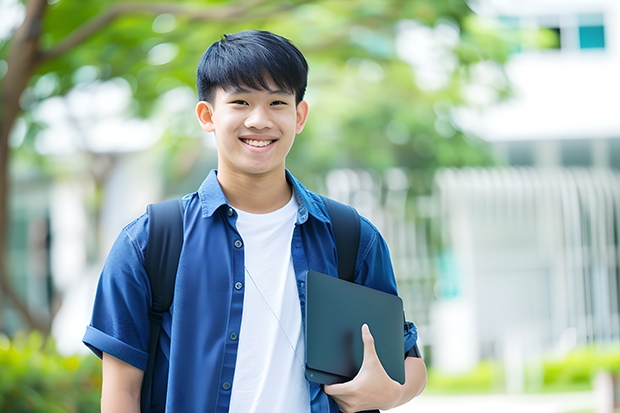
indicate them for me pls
(240, 102)
(277, 103)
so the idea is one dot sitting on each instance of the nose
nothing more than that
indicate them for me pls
(258, 118)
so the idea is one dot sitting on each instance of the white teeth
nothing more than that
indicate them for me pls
(255, 143)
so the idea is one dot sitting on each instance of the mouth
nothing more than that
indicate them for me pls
(257, 143)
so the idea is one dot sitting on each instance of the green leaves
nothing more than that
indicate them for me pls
(34, 378)
(368, 107)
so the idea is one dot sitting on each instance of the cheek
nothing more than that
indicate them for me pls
(289, 123)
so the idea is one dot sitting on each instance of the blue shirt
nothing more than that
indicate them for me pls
(198, 343)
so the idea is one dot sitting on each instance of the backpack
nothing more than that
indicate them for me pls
(164, 245)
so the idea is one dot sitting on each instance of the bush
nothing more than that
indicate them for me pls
(34, 378)
(484, 378)
(574, 372)
(578, 369)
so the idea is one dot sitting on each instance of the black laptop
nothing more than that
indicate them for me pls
(335, 312)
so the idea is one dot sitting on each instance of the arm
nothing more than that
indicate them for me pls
(372, 388)
(120, 391)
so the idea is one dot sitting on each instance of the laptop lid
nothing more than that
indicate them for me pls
(335, 312)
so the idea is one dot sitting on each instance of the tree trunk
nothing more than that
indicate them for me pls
(25, 56)
(22, 60)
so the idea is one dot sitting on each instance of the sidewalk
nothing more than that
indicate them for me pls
(541, 403)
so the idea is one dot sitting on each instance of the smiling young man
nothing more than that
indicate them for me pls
(233, 339)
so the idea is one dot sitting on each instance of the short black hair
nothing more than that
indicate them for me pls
(252, 58)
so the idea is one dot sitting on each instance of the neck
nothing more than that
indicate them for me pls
(257, 194)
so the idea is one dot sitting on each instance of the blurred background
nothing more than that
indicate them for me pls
(481, 137)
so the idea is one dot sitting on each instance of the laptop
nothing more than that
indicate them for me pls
(335, 312)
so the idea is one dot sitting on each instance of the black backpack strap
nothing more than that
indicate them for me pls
(161, 261)
(346, 226)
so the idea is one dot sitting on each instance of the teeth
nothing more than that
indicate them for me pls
(255, 143)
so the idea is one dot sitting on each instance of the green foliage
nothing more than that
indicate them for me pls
(579, 368)
(34, 378)
(367, 109)
(574, 372)
(484, 378)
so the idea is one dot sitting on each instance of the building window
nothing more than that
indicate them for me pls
(562, 32)
(591, 31)
(555, 41)
(614, 153)
(577, 153)
(521, 154)
(550, 31)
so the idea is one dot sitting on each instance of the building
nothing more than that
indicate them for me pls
(564, 109)
(531, 252)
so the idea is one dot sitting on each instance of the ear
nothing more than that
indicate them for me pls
(204, 113)
(302, 115)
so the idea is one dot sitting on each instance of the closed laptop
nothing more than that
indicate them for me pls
(335, 312)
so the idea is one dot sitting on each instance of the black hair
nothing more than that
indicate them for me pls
(252, 58)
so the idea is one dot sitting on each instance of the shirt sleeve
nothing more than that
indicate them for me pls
(374, 269)
(120, 325)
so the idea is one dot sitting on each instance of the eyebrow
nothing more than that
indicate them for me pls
(238, 90)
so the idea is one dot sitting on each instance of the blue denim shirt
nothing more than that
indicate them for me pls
(195, 363)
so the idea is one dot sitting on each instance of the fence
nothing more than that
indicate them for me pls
(532, 256)
(386, 201)
(535, 251)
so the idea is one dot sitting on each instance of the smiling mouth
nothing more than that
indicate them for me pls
(257, 144)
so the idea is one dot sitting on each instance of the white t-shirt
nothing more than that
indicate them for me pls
(269, 374)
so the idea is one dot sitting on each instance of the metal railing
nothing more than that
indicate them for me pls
(536, 250)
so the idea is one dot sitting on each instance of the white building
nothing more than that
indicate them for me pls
(565, 108)
(531, 258)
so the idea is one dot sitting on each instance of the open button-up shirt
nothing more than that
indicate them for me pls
(195, 363)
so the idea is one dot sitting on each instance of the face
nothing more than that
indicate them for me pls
(254, 129)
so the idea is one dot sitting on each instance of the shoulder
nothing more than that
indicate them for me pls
(135, 234)
(368, 231)
(371, 239)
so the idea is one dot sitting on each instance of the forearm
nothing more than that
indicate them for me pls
(115, 401)
(415, 380)
(120, 389)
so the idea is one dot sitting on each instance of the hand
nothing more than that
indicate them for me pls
(371, 388)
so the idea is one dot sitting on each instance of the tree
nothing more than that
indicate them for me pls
(346, 42)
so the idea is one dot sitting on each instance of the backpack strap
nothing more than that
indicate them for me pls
(161, 261)
(346, 227)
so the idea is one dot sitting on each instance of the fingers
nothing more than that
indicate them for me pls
(333, 389)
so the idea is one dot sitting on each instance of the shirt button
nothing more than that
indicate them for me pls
(230, 212)
(238, 244)
(226, 386)
(302, 284)
(238, 286)
(233, 336)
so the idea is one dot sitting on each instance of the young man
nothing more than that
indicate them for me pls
(233, 339)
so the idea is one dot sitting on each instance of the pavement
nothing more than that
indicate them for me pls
(540, 403)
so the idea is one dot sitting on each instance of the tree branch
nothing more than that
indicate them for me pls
(228, 13)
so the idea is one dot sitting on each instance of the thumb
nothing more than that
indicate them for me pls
(369, 343)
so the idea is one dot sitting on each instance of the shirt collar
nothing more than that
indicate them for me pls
(309, 202)
(212, 197)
